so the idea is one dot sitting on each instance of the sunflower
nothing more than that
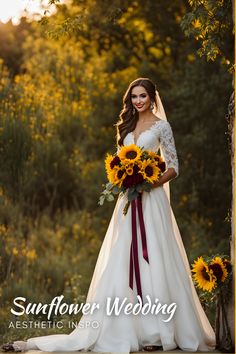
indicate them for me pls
(149, 170)
(227, 265)
(154, 156)
(115, 162)
(158, 159)
(204, 277)
(218, 268)
(111, 162)
(108, 160)
(129, 168)
(130, 153)
(111, 175)
(116, 176)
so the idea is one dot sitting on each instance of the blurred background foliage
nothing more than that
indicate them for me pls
(61, 87)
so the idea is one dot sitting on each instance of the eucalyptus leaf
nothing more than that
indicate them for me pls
(109, 186)
(132, 195)
(131, 189)
(116, 190)
(139, 188)
(101, 200)
(110, 197)
(147, 188)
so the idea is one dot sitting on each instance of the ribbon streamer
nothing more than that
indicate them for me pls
(136, 204)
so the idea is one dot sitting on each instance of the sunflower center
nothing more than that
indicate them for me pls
(217, 270)
(149, 171)
(120, 174)
(115, 162)
(205, 274)
(131, 155)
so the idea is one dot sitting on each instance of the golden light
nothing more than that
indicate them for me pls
(15, 9)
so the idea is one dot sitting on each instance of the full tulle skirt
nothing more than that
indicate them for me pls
(166, 279)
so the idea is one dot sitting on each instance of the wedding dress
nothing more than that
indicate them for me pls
(167, 277)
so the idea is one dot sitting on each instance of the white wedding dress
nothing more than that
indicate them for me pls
(167, 277)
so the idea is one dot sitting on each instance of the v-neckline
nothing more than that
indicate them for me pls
(144, 131)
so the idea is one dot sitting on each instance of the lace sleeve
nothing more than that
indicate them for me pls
(168, 147)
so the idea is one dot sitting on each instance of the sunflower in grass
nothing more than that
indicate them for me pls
(203, 276)
(130, 153)
(149, 170)
(218, 268)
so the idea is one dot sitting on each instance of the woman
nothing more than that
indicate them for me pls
(161, 281)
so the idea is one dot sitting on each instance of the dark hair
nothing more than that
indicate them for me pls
(127, 120)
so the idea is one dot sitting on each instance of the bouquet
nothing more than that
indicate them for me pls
(131, 170)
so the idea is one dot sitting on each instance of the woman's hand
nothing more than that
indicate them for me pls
(166, 177)
(157, 184)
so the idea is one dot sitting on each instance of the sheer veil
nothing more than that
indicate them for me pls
(160, 113)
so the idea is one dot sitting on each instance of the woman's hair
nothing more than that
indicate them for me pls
(127, 120)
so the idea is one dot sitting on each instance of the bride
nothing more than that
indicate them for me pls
(162, 278)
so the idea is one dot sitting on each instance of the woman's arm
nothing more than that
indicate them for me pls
(167, 144)
(166, 177)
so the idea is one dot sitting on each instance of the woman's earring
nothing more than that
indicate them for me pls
(151, 106)
(133, 111)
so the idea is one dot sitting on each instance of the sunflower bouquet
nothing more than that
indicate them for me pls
(211, 273)
(132, 170)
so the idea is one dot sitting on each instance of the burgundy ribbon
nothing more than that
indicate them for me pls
(134, 264)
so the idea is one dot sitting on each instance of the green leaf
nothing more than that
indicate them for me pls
(131, 189)
(109, 186)
(105, 192)
(116, 190)
(110, 197)
(139, 188)
(132, 194)
(101, 200)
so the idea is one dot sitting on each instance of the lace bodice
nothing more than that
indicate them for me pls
(159, 135)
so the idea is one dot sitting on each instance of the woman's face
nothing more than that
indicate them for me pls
(140, 99)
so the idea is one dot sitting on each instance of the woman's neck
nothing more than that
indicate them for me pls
(145, 116)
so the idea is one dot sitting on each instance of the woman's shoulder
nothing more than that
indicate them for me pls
(163, 129)
(164, 123)
(161, 123)
(159, 119)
